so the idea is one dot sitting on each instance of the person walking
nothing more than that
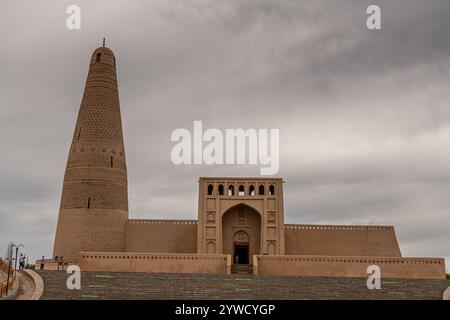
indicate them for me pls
(21, 262)
(61, 263)
(42, 263)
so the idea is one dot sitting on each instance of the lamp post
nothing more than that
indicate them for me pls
(10, 246)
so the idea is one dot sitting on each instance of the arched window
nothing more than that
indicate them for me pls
(89, 203)
(261, 190)
(241, 190)
(112, 162)
(99, 56)
(271, 190)
(251, 190)
(231, 190)
(210, 189)
(220, 189)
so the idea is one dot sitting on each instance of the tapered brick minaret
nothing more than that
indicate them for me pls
(94, 201)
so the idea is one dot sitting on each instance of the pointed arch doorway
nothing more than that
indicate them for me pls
(241, 247)
(241, 233)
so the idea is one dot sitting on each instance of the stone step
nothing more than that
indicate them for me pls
(242, 268)
(102, 285)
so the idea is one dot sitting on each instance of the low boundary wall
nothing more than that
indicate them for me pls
(154, 262)
(348, 266)
(38, 284)
(446, 295)
(53, 265)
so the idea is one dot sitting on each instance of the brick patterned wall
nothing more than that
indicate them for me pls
(94, 200)
(341, 240)
(100, 195)
(163, 236)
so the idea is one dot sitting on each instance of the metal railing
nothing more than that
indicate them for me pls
(6, 274)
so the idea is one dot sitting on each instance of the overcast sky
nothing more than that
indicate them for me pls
(364, 115)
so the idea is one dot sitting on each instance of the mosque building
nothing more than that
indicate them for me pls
(240, 223)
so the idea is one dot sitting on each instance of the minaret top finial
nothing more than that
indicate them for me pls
(103, 42)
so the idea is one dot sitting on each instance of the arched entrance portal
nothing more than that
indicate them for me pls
(241, 233)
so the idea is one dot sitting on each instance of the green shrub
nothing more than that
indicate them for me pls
(29, 266)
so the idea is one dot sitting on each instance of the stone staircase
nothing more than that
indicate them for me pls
(242, 268)
(101, 285)
(26, 286)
